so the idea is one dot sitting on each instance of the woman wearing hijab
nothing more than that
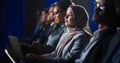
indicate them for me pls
(71, 43)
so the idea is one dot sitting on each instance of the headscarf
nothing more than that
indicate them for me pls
(81, 15)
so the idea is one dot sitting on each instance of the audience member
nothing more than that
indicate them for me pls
(107, 20)
(54, 37)
(57, 12)
(38, 32)
(71, 42)
(42, 18)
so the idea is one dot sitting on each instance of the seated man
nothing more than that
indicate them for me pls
(97, 48)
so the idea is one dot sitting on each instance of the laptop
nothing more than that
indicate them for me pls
(16, 47)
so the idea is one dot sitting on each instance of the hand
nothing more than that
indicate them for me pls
(30, 56)
(39, 58)
(37, 46)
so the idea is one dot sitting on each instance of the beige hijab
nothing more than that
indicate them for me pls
(81, 16)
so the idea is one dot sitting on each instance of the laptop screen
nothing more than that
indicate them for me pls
(15, 46)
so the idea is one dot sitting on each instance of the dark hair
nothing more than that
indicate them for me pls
(64, 4)
(110, 5)
(54, 4)
(38, 12)
(46, 10)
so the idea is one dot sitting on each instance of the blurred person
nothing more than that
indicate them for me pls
(71, 42)
(50, 17)
(40, 26)
(107, 19)
(53, 37)
(39, 32)
(42, 18)
(58, 19)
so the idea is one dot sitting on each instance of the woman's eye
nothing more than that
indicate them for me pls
(69, 15)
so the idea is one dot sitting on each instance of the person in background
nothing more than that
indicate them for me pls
(53, 38)
(38, 32)
(71, 42)
(40, 26)
(88, 29)
(42, 18)
(107, 19)
(50, 17)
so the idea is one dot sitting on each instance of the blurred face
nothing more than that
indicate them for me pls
(50, 14)
(99, 11)
(70, 18)
(104, 13)
(59, 15)
(43, 16)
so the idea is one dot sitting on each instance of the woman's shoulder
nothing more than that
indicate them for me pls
(82, 36)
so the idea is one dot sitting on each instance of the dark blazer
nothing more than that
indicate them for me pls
(113, 53)
(37, 31)
(99, 50)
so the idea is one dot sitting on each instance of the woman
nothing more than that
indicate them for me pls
(72, 42)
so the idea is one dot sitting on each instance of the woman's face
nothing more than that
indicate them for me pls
(59, 15)
(70, 18)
